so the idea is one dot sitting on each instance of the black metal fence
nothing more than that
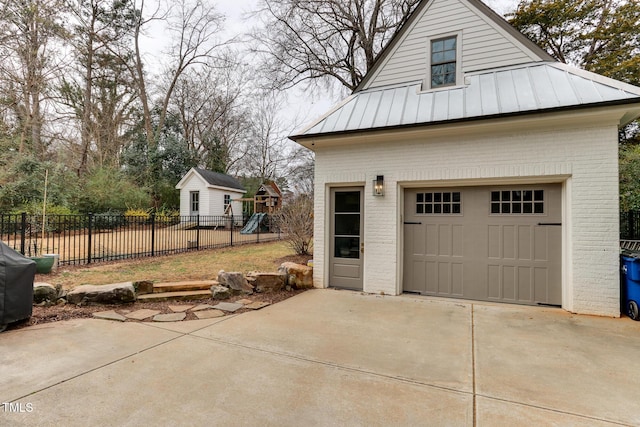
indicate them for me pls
(630, 225)
(85, 239)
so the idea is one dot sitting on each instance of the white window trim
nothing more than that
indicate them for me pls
(193, 202)
(426, 84)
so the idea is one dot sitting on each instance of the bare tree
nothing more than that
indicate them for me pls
(209, 103)
(329, 40)
(100, 92)
(28, 29)
(295, 221)
(193, 27)
(265, 155)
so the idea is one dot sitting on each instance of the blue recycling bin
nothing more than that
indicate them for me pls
(630, 285)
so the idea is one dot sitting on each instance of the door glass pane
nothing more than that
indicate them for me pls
(347, 224)
(347, 247)
(347, 201)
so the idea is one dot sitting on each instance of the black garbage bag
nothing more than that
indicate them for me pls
(16, 286)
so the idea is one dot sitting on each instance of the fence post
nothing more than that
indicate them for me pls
(153, 233)
(23, 233)
(231, 230)
(89, 238)
(198, 232)
(258, 229)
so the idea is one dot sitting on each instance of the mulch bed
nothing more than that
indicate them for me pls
(57, 313)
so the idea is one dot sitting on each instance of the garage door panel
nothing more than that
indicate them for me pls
(494, 282)
(444, 278)
(509, 283)
(524, 242)
(541, 243)
(525, 285)
(541, 283)
(432, 237)
(490, 249)
(444, 240)
(457, 241)
(494, 237)
(457, 279)
(508, 242)
(432, 277)
(417, 243)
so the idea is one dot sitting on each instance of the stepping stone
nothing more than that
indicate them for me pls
(244, 301)
(228, 306)
(201, 307)
(142, 314)
(209, 314)
(257, 305)
(171, 317)
(179, 308)
(109, 315)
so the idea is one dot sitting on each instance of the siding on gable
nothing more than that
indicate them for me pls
(483, 46)
(587, 156)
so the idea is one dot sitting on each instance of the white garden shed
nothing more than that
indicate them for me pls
(207, 193)
(470, 164)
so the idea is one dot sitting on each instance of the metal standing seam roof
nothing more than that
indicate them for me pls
(531, 87)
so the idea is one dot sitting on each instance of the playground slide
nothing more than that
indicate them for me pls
(253, 223)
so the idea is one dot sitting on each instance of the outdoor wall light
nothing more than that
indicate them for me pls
(378, 186)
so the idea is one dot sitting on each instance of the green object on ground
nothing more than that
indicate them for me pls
(43, 264)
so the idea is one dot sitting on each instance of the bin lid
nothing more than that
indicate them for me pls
(630, 255)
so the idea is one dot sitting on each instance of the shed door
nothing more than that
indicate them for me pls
(347, 247)
(485, 243)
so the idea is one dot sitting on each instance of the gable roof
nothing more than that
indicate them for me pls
(213, 179)
(479, 27)
(270, 188)
(487, 87)
(535, 87)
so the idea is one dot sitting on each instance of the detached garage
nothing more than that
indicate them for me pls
(470, 164)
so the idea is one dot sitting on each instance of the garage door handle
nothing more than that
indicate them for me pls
(412, 223)
(550, 223)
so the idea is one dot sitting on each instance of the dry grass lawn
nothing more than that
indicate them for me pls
(198, 265)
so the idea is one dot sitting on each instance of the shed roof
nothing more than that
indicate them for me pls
(220, 179)
(528, 88)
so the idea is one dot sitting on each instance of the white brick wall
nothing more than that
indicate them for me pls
(584, 158)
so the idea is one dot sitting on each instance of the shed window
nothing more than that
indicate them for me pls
(227, 201)
(443, 62)
(195, 201)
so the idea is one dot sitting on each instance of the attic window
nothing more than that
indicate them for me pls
(443, 62)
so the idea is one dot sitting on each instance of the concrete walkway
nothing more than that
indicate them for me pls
(328, 357)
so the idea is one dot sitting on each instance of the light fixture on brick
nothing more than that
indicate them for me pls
(378, 186)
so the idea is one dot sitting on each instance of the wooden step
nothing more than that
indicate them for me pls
(196, 285)
(175, 296)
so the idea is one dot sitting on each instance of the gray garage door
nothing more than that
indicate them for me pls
(484, 243)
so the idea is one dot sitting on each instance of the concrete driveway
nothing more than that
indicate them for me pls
(328, 357)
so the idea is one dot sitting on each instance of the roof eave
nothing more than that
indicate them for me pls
(625, 120)
(218, 187)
